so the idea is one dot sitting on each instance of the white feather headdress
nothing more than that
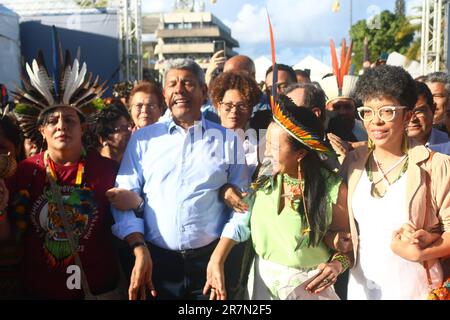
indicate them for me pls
(66, 86)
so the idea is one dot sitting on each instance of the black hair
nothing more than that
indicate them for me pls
(387, 81)
(314, 96)
(312, 168)
(11, 130)
(107, 118)
(423, 90)
(303, 73)
(43, 118)
(286, 68)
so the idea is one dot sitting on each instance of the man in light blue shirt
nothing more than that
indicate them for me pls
(178, 166)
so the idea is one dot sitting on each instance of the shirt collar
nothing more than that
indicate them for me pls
(171, 126)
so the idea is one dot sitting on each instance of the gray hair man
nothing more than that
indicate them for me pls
(178, 165)
(439, 85)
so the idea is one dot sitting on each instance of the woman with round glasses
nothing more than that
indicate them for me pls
(399, 216)
(234, 95)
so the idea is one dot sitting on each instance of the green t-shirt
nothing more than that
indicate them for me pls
(276, 237)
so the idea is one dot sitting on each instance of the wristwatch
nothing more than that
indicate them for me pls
(140, 208)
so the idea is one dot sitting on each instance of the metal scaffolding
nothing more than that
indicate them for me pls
(131, 39)
(433, 16)
(130, 19)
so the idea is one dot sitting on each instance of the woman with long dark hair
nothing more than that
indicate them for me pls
(58, 206)
(292, 213)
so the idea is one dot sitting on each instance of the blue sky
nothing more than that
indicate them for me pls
(301, 27)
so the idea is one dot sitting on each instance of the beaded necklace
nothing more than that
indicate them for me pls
(296, 187)
(51, 170)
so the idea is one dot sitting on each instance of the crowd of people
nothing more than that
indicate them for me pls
(212, 186)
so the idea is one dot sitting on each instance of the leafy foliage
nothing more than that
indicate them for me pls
(92, 3)
(387, 32)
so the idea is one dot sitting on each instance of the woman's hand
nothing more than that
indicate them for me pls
(405, 249)
(123, 199)
(233, 198)
(340, 146)
(327, 276)
(420, 237)
(215, 281)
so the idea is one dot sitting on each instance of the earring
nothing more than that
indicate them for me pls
(405, 144)
(370, 145)
(105, 143)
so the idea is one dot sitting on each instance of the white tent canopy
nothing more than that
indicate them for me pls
(399, 60)
(318, 68)
(10, 47)
(261, 65)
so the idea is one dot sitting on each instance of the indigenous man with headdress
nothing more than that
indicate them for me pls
(293, 212)
(338, 88)
(58, 205)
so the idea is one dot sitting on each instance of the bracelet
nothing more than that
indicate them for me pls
(344, 260)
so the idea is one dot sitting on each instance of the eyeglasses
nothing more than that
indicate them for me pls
(420, 112)
(240, 106)
(140, 106)
(123, 128)
(386, 113)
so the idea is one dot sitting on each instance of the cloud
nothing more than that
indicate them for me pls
(412, 7)
(295, 22)
(156, 6)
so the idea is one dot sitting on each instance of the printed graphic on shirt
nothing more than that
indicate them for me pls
(81, 212)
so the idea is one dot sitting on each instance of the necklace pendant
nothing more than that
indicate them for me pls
(375, 193)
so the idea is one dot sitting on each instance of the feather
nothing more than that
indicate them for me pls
(71, 82)
(79, 82)
(56, 62)
(6, 110)
(341, 64)
(39, 82)
(274, 64)
(348, 60)
(29, 98)
(334, 60)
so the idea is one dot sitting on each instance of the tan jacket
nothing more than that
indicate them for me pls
(416, 199)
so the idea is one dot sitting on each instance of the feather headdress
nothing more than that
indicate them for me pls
(297, 129)
(341, 84)
(65, 85)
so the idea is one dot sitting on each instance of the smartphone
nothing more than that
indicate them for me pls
(219, 45)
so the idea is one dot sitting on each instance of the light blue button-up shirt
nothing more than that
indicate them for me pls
(179, 174)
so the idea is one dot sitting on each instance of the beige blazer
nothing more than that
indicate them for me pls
(416, 199)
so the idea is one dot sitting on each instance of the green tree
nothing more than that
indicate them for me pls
(387, 33)
(92, 3)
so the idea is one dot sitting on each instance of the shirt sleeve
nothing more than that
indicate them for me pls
(441, 184)
(237, 228)
(130, 178)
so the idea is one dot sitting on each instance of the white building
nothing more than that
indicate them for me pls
(186, 34)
